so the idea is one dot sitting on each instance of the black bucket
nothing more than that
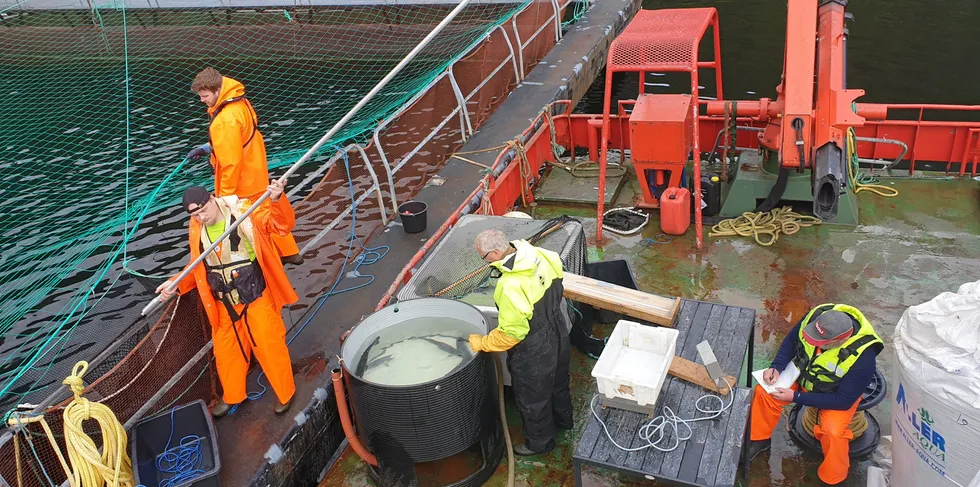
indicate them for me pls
(413, 216)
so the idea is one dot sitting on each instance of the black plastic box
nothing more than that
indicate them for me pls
(149, 439)
(614, 272)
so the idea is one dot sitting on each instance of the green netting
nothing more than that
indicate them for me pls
(97, 117)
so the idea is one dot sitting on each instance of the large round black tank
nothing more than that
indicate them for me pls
(404, 425)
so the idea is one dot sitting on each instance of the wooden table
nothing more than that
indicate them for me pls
(711, 456)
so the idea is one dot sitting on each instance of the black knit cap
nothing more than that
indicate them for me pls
(196, 195)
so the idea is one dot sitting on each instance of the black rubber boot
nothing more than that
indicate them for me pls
(524, 451)
(755, 447)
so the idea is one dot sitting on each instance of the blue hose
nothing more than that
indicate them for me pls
(183, 461)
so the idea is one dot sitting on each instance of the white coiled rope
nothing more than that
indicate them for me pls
(658, 425)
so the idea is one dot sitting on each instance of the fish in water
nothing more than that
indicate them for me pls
(416, 360)
(362, 364)
(443, 342)
(378, 362)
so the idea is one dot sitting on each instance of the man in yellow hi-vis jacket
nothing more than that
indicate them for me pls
(531, 328)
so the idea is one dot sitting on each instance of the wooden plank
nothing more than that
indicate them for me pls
(709, 326)
(628, 436)
(731, 446)
(691, 462)
(686, 347)
(614, 423)
(634, 460)
(590, 435)
(697, 374)
(630, 302)
(712, 455)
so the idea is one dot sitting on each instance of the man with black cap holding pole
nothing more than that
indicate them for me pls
(834, 347)
(243, 287)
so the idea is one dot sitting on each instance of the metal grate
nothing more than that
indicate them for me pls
(661, 40)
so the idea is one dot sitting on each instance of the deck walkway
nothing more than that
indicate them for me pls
(273, 451)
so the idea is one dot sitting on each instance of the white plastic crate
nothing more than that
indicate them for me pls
(634, 363)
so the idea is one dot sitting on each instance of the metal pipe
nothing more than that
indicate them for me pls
(887, 165)
(843, 55)
(309, 153)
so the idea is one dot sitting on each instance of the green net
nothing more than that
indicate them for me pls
(98, 116)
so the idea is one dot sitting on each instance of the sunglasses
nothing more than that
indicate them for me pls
(486, 254)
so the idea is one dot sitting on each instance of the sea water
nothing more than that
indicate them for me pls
(415, 352)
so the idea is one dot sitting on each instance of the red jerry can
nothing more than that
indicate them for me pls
(675, 211)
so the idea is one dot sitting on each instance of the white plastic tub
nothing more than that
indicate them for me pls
(634, 363)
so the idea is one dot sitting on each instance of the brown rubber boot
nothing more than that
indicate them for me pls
(282, 408)
(220, 409)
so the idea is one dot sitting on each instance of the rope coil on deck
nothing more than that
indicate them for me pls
(89, 468)
(584, 169)
(783, 221)
(858, 424)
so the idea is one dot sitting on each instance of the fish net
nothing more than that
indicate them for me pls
(98, 116)
(136, 381)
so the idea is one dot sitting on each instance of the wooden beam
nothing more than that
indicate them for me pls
(697, 374)
(630, 302)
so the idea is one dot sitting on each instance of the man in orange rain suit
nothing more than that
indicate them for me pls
(243, 287)
(834, 346)
(236, 147)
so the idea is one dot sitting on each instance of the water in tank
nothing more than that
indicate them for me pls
(414, 352)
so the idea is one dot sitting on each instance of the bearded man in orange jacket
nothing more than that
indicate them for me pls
(235, 147)
(243, 287)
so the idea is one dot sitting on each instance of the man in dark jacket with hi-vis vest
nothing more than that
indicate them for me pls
(531, 328)
(835, 347)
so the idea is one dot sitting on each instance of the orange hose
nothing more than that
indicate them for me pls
(352, 439)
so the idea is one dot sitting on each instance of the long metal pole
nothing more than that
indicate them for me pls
(323, 140)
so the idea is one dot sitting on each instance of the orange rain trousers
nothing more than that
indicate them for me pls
(264, 335)
(831, 431)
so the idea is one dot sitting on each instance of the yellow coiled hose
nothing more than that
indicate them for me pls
(779, 221)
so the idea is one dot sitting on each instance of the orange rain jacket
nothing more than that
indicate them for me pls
(238, 152)
(237, 147)
(277, 218)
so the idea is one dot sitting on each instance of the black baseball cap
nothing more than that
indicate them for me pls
(196, 195)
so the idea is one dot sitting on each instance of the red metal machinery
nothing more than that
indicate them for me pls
(663, 132)
(808, 121)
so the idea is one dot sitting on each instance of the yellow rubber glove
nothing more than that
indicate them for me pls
(495, 341)
(476, 343)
